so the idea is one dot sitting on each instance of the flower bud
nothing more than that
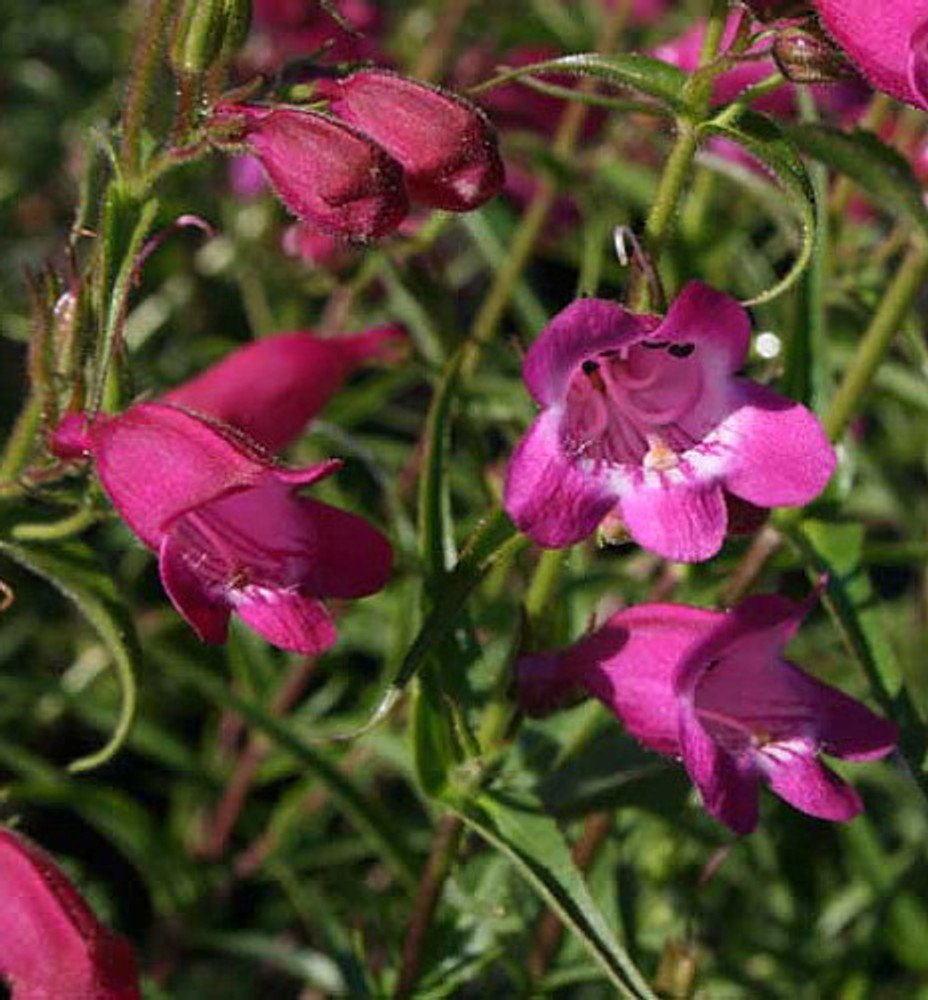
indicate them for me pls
(207, 30)
(446, 144)
(328, 174)
(807, 57)
(51, 944)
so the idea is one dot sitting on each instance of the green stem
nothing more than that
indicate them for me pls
(533, 221)
(661, 218)
(19, 445)
(144, 63)
(885, 324)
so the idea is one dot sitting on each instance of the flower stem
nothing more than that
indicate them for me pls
(661, 218)
(533, 221)
(883, 327)
(437, 868)
(144, 62)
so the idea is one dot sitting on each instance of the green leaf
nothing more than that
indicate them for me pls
(72, 568)
(367, 817)
(837, 549)
(494, 536)
(863, 157)
(641, 73)
(519, 827)
(764, 139)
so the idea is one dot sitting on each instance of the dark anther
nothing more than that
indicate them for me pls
(655, 345)
(681, 350)
(589, 367)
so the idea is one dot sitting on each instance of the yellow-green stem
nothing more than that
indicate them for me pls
(886, 322)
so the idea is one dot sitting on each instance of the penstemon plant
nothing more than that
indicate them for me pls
(460, 459)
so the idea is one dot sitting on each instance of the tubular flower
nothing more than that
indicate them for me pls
(230, 531)
(327, 173)
(446, 144)
(712, 689)
(644, 419)
(272, 387)
(887, 40)
(51, 943)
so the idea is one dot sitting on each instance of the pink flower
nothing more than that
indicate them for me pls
(327, 173)
(712, 689)
(644, 417)
(446, 144)
(51, 943)
(272, 387)
(887, 40)
(230, 531)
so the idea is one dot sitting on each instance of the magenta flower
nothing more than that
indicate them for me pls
(230, 531)
(712, 689)
(51, 943)
(445, 143)
(887, 40)
(644, 418)
(327, 173)
(272, 387)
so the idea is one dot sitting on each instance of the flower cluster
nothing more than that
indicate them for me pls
(645, 422)
(386, 141)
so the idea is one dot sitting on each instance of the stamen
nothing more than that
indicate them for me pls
(660, 455)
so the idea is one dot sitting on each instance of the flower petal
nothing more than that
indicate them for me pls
(727, 786)
(156, 461)
(51, 943)
(684, 521)
(918, 62)
(208, 617)
(352, 558)
(582, 330)
(715, 321)
(286, 618)
(272, 387)
(843, 726)
(630, 664)
(779, 451)
(550, 498)
(799, 778)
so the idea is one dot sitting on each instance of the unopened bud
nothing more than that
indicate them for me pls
(445, 143)
(206, 32)
(328, 174)
(807, 57)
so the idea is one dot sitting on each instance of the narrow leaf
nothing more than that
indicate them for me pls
(73, 570)
(519, 827)
(863, 157)
(763, 139)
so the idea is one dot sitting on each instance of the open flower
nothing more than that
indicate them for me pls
(644, 419)
(272, 387)
(51, 944)
(711, 688)
(887, 40)
(230, 531)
